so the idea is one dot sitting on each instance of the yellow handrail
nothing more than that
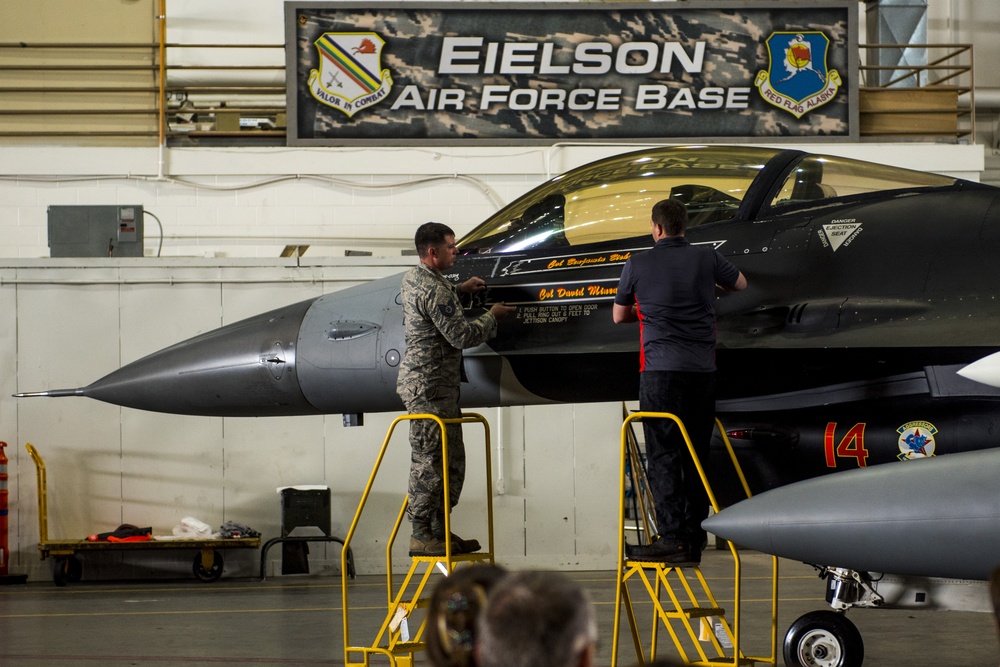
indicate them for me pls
(43, 506)
(448, 558)
(661, 579)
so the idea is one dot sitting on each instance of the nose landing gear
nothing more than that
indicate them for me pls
(827, 638)
(823, 639)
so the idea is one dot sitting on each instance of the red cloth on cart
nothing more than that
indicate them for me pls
(124, 533)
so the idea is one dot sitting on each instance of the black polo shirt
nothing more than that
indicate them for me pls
(673, 285)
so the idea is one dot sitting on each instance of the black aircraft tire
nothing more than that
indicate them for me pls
(823, 639)
(211, 574)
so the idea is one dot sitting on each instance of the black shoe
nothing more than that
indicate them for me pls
(663, 551)
(460, 546)
(698, 541)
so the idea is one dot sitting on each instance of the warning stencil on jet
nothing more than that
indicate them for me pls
(836, 234)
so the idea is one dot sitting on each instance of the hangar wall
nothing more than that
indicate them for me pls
(77, 320)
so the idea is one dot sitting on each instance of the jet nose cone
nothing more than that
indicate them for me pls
(933, 517)
(744, 524)
(243, 369)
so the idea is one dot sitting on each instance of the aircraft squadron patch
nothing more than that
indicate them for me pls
(916, 440)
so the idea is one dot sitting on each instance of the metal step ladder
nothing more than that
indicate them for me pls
(395, 639)
(689, 600)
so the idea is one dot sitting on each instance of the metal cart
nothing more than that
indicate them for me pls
(66, 567)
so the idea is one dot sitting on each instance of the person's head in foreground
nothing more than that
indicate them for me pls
(537, 619)
(454, 609)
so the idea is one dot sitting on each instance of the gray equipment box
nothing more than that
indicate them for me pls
(95, 231)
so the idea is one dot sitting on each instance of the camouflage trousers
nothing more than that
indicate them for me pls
(426, 487)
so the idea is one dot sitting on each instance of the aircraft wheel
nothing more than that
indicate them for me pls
(208, 572)
(823, 639)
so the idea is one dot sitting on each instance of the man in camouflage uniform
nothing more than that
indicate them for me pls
(429, 377)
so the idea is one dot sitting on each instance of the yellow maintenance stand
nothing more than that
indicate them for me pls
(396, 640)
(690, 601)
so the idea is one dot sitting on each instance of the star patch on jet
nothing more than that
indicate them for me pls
(350, 75)
(916, 440)
(797, 79)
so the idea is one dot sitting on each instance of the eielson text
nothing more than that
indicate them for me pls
(473, 55)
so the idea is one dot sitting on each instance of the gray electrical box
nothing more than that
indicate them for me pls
(95, 231)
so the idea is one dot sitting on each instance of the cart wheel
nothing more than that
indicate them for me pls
(74, 569)
(66, 569)
(823, 639)
(211, 573)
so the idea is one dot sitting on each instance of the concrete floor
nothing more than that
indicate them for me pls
(297, 620)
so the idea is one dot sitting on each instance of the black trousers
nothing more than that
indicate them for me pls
(678, 493)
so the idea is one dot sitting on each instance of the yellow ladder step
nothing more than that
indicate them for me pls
(701, 612)
(407, 647)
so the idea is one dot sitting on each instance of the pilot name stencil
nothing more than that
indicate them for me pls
(542, 264)
(576, 292)
(839, 233)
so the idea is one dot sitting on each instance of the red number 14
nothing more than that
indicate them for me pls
(851, 445)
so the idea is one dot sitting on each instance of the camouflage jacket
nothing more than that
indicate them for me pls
(436, 330)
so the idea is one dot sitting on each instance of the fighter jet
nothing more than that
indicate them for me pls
(921, 535)
(869, 288)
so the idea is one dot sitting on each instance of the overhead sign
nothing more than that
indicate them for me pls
(526, 73)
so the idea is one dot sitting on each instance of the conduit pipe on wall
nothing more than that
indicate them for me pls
(501, 435)
(161, 20)
(184, 281)
(986, 98)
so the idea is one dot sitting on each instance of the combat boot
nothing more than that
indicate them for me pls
(664, 550)
(458, 545)
(423, 542)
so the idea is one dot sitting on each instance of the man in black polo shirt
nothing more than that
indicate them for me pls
(670, 291)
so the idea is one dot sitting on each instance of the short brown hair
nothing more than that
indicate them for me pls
(671, 215)
(430, 234)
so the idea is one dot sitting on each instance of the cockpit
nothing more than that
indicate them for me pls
(821, 179)
(612, 200)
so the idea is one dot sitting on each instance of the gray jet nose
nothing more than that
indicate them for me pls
(243, 369)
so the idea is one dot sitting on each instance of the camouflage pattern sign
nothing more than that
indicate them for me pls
(527, 73)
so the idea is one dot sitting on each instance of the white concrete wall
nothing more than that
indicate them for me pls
(969, 22)
(71, 322)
